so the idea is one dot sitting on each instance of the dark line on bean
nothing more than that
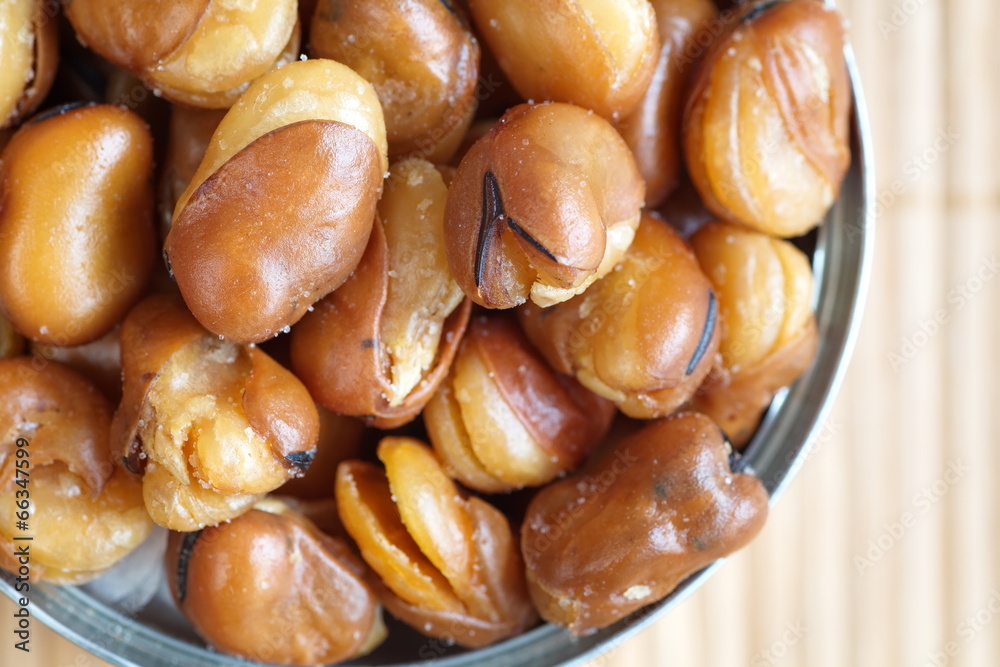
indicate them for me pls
(493, 212)
(530, 239)
(706, 333)
(134, 461)
(757, 11)
(368, 343)
(302, 460)
(58, 111)
(187, 547)
(170, 268)
(736, 462)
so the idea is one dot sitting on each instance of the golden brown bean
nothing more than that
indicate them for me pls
(766, 128)
(769, 338)
(449, 565)
(99, 361)
(623, 532)
(599, 54)
(190, 133)
(380, 345)
(85, 513)
(645, 336)
(279, 211)
(419, 55)
(270, 587)
(212, 426)
(503, 419)
(72, 262)
(226, 98)
(653, 130)
(542, 206)
(198, 52)
(29, 55)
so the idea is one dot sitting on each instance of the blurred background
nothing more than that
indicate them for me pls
(885, 550)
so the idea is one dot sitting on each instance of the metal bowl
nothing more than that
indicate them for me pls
(158, 636)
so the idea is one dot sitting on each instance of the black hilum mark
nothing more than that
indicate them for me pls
(187, 546)
(494, 215)
(760, 9)
(706, 333)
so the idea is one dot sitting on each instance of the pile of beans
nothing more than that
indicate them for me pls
(464, 312)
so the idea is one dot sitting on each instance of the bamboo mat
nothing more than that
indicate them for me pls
(836, 578)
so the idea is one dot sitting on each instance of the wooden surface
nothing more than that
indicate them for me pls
(800, 595)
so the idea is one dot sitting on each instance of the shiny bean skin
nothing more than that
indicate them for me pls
(599, 54)
(76, 258)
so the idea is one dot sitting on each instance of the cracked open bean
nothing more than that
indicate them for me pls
(379, 346)
(86, 512)
(449, 564)
(211, 426)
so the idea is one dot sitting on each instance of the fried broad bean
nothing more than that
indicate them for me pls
(503, 419)
(645, 336)
(29, 56)
(84, 513)
(210, 425)
(766, 127)
(380, 345)
(190, 132)
(197, 52)
(419, 55)
(599, 54)
(449, 565)
(279, 211)
(270, 587)
(653, 130)
(624, 531)
(543, 205)
(77, 243)
(99, 361)
(768, 330)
